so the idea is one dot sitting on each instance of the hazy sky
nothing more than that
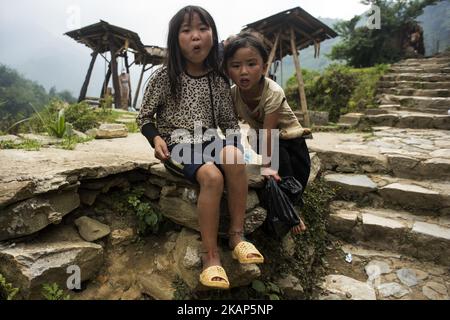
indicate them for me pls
(31, 31)
(150, 18)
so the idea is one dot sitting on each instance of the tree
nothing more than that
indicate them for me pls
(364, 47)
(17, 93)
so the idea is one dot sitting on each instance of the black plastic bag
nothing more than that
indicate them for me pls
(293, 189)
(281, 215)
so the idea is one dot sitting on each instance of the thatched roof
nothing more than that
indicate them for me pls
(307, 29)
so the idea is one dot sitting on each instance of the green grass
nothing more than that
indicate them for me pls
(27, 144)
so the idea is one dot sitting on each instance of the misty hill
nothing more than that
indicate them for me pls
(435, 22)
(307, 59)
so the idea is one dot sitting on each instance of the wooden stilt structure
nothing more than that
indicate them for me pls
(103, 37)
(287, 33)
(301, 84)
(88, 77)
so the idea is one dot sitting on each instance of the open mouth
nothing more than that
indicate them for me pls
(196, 48)
(244, 82)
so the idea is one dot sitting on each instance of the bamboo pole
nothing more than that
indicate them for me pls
(301, 85)
(88, 77)
(272, 53)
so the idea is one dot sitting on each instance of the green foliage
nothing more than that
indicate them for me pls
(53, 292)
(82, 116)
(267, 289)
(69, 142)
(18, 93)
(64, 95)
(149, 219)
(106, 102)
(132, 127)
(364, 47)
(7, 290)
(27, 144)
(338, 90)
(58, 126)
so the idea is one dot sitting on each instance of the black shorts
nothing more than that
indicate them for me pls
(186, 165)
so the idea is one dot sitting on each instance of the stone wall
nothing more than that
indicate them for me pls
(48, 226)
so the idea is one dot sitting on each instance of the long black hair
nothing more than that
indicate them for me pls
(175, 62)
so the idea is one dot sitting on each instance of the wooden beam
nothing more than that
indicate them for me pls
(106, 81)
(138, 87)
(301, 85)
(88, 77)
(272, 53)
(115, 75)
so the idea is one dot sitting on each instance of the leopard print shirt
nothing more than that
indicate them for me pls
(194, 106)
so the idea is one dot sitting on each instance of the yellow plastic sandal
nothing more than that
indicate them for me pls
(242, 251)
(207, 276)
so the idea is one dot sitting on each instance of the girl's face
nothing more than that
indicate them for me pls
(246, 67)
(195, 40)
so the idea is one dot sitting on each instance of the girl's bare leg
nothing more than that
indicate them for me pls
(237, 187)
(211, 188)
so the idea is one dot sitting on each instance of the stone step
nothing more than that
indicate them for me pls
(405, 119)
(419, 69)
(423, 77)
(418, 103)
(433, 60)
(389, 106)
(428, 198)
(414, 84)
(404, 153)
(416, 92)
(422, 237)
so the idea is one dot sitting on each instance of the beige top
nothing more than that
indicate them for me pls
(272, 99)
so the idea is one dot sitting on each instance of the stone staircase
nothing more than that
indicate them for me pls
(392, 194)
(415, 93)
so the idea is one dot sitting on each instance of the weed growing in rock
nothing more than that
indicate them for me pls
(149, 218)
(70, 142)
(27, 144)
(53, 292)
(267, 289)
(7, 290)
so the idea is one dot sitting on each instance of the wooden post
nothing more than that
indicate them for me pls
(301, 85)
(127, 66)
(115, 76)
(272, 53)
(281, 63)
(106, 81)
(88, 77)
(138, 87)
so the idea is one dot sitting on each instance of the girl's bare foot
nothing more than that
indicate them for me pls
(211, 258)
(235, 239)
(298, 228)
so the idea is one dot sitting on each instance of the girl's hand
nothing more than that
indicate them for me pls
(269, 172)
(161, 150)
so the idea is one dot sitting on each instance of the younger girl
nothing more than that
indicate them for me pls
(189, 93)
(262, 103)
